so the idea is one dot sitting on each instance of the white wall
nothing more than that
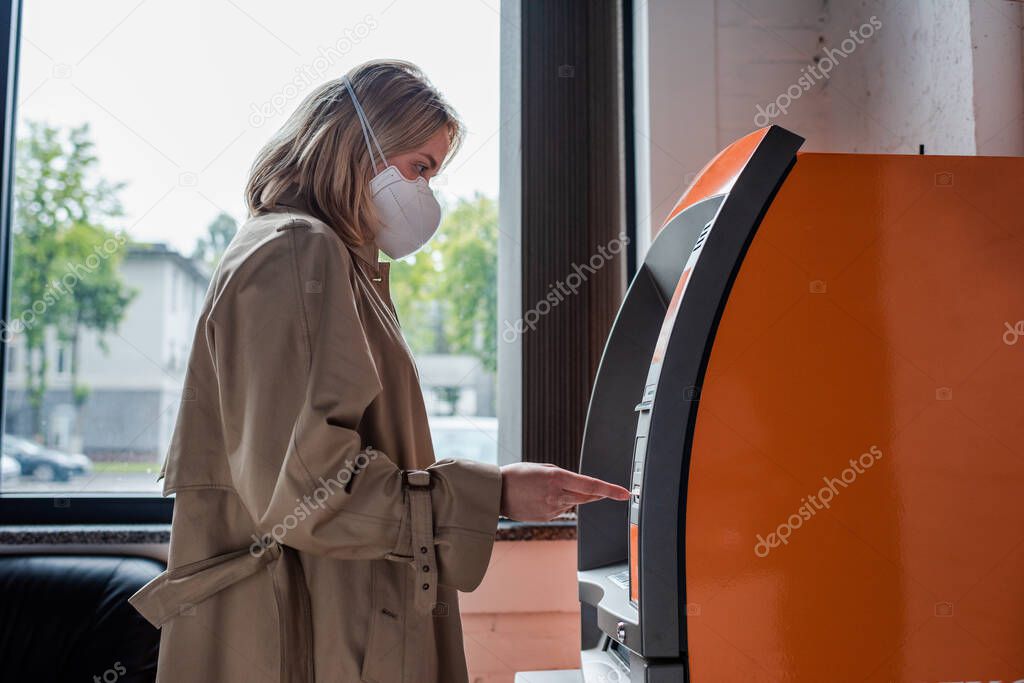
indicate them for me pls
(675, 92)
(943, 73)
(763, 49)
(998, 85)
(912, 84)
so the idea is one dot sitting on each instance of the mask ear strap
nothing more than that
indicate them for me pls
(365, 124)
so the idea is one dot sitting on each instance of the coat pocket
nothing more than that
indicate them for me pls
(383, 661)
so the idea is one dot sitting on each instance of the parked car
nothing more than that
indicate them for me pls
(45, 464)
(469, 438)
(10, 470)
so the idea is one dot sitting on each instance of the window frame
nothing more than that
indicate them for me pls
(129, 508)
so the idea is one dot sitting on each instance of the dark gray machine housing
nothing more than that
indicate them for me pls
(642, 415)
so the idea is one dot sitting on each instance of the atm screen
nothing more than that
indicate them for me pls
(643, 408)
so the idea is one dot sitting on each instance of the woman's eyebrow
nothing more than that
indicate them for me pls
(432, 160)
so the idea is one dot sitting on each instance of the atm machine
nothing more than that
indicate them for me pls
(813, 389)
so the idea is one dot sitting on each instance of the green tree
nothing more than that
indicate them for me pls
(59, 212)
(469, 287)
(414, 282)
(211, 247)
(447, 293)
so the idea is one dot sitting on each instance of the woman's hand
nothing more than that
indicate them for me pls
(531, 492)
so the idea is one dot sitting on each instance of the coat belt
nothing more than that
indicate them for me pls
(418, 526)
(422, 527)
(176, 592)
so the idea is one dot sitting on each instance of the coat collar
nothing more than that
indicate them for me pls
(366, 252)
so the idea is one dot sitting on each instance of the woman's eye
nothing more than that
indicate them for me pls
(421, 168)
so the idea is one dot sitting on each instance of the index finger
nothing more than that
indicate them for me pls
(580, 483)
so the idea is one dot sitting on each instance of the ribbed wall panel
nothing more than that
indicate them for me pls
(572, 195)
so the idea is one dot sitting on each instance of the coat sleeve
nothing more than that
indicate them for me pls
(295, 375)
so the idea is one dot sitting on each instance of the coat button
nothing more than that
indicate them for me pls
(426, 586)
(423, 548)
(426, 567)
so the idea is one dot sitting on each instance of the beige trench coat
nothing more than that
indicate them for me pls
(314, 537)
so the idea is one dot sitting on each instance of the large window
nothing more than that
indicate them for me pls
(136, 124)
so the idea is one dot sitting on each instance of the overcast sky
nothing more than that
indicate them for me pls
(171, 87)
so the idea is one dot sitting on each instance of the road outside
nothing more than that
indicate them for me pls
(96, 483)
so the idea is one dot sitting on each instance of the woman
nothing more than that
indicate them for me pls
(314, 537)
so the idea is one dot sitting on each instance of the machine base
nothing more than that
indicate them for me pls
(570, 676)
(603, 665)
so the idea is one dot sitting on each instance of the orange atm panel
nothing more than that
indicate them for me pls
(861, 413)
(813, 391)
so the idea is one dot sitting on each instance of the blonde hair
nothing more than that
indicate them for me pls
(319, 156)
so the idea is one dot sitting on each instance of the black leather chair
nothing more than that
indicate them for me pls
(67, 618)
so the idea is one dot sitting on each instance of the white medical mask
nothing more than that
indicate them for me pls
(408, 210)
